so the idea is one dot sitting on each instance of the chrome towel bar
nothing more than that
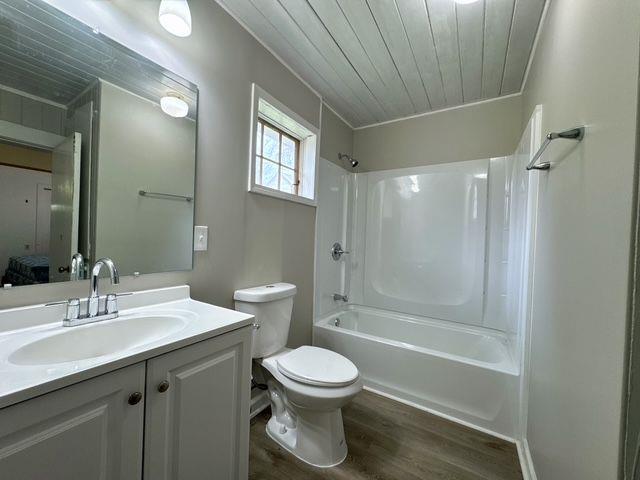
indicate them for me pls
(144, 193)
(573, 134)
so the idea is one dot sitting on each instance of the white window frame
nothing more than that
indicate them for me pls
(308, 156)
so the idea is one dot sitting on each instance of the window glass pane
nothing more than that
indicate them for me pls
(287, 179)
(269, 174)
(270, 144)
(288, 152)
(258, 170)
(259, 139)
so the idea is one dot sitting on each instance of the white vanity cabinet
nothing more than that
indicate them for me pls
(194, 427)
(85, 431)
(197, 412)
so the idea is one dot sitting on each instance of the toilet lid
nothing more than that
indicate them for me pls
(317, 366)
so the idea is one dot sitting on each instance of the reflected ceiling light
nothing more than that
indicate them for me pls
(175, 17)
(174, 105)
(465, 2)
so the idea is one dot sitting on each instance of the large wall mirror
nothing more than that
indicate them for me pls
(97, 152)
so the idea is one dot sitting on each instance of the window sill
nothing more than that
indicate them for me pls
(270, 192)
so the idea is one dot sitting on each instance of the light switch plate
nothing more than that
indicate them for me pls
(200, 238)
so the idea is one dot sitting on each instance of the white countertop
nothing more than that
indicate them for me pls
(24, 325)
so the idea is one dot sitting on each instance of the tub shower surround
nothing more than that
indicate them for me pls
(436, 280)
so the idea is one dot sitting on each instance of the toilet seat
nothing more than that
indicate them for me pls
(304, 395)
(317, 366)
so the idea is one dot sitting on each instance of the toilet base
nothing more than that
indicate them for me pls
(317, 437)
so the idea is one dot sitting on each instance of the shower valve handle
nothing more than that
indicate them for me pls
(337, 251)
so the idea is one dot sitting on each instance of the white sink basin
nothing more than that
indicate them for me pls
(97, 339)
(39, 355)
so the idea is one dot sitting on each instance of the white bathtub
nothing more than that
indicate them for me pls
(465, 373)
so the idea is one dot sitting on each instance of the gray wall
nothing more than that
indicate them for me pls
(28, 112)
(585, 72)
(336, 137)
(141, 147)
(252, 239)
(488, 129)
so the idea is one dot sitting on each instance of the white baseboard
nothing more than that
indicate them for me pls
(526, 462)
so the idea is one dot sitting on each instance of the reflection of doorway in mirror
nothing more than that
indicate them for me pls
(43, 218)
(39, 208)
(25, 204)
(65, 207)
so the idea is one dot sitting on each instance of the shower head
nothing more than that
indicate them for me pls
(352, 161)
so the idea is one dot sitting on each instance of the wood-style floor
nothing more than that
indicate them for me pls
(387, 441)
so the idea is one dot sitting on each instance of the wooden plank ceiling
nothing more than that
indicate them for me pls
(377, 60)
(46, 53)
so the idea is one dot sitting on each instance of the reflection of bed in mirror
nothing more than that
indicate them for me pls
(78, 142)
(27, 270)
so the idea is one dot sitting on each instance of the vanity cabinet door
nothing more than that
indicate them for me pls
(197, 418)
(87, 431)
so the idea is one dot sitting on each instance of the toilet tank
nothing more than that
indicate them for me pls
(272, 306)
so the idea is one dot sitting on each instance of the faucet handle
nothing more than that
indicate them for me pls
(111, 304)
(73, 309)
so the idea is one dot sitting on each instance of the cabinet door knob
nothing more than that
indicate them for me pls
(163, 386)
(135, 398)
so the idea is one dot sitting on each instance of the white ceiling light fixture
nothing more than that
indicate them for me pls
(465, 2)
(175, 17)
(174, 105)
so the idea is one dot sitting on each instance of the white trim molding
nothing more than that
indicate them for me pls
(534, 47)
(309, 151)
(433, 112)
(32, 97)
(32, 137)
(526, 461)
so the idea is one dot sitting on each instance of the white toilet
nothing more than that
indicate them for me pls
(307, 386)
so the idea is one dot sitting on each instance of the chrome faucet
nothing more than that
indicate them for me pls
(92, 314)
(77, 267)
(94, 299)
(337, 297)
